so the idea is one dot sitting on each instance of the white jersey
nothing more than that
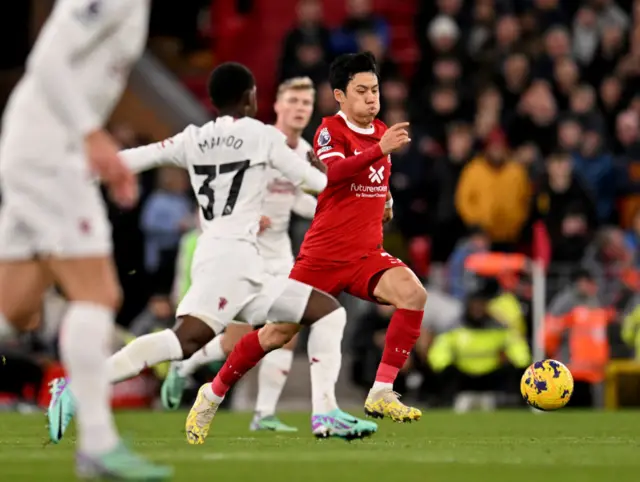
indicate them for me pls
(75, 75)
(229, 161)
(282, 198)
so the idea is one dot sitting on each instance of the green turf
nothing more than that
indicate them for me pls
(501, 447)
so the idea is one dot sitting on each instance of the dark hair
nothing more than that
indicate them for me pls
(346, 66)
(228, 83)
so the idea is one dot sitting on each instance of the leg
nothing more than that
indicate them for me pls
(325, 359)
(91, 286)
(283, 300)
(389, 281)
(272, 376)
(22, 288)
(216, 350)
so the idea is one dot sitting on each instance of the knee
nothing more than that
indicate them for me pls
(411, 294)
(276, 335)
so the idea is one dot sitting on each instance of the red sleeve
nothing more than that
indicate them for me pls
(330, 147)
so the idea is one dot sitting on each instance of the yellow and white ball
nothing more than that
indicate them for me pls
(547, 385)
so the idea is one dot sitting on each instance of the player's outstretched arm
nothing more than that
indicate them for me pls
(168, 152)
(73, 29)
(295, 169)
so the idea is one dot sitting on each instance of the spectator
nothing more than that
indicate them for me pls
(628, 166)
(165, 217)
(575, 333)
(476, 242)
(632, 238)
(611, 99)
(360, 18)
(535, 120)
(569, 133)
(608, 55)
(565, 79)
(557, 45)
(566, 207)
(309, 30)
(475, 355)
(550, 13)
(447, 169)
(494, 193)
(515, 80)
(586, 35)
(595, 164)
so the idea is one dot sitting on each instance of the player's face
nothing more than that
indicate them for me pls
(294, 108)
(362, 99)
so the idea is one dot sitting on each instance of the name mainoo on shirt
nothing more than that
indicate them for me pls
(221, 141)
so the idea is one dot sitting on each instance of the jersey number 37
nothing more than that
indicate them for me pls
(206, 190)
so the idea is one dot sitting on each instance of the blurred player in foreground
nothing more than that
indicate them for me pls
(294, 106)
(228, 161)
(53, 223)
(342, 251)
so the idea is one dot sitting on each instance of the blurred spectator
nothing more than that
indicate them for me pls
(575, 333)
(611, 104)
(166, 215)
(607, 258)
(535, 120)
(514, 82)
(308, 31)
(449, 227)
(595, 164)
(586, 34)
(628, 166)
(494, 193)
(360, 18)
(632, 238)
(608, 55)
(476, 242)
(479, 355)
(566, 207)
(569, 134)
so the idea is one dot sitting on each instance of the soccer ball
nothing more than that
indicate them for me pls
(547, 385)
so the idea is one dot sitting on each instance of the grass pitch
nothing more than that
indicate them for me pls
(443, 447)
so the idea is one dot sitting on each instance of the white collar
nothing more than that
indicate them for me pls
(360, 130)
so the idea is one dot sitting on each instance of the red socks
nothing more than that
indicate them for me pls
(402, 334)
(245, 355)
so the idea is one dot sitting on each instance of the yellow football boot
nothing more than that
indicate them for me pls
(385, 403)
(200, 418)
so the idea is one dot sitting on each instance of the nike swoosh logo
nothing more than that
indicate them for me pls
(356, 152)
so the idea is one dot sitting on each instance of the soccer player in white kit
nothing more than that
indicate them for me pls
(293, 106)
(53, 223)
(228, 161)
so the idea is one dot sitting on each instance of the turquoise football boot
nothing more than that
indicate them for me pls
(61, 409)
(337, 423)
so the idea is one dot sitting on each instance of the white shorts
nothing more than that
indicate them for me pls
(229, 283)
(276, 267)
(49, 210)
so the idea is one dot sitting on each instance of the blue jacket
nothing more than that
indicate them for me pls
(599, 175)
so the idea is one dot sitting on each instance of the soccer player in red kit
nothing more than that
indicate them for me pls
(342, 251)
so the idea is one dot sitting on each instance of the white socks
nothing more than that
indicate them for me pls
(272, 375)
(211, 352)
(143, 352)
(325, 357)
(86, 335)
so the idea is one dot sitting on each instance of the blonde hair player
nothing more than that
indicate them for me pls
(294, 107)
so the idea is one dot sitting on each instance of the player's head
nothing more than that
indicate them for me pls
(354, 80)
(232, 90)
(294, 103)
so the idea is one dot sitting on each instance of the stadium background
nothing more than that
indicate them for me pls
(546, 88)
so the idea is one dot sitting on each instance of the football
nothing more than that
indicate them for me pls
(547, 385)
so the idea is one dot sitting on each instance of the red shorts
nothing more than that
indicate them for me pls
(358, 277)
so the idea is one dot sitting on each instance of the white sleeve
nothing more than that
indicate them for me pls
(304, 204)
(167, 152)
(294, 168)
(74, 28)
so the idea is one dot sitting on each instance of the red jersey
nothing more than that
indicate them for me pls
(348, 219)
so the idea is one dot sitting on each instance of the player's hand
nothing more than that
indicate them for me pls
(388, 215)
(316, 162)
(265, 223)
(102, 152)
(395, 138)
